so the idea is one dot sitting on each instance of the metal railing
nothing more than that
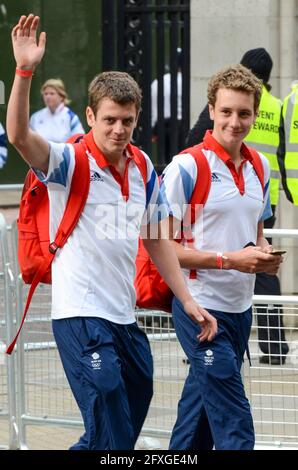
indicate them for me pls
(36, 392)
(11, 187)
(7, 364)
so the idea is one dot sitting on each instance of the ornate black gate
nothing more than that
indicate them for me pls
(150, 39)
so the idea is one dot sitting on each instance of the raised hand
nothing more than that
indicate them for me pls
(28, 50)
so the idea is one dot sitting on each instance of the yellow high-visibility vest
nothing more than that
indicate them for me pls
(264, 137)
(290, 116)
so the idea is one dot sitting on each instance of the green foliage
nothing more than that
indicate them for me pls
(73, 53)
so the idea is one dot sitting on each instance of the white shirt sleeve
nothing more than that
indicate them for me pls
(61, 166)
(177, 184)
(58, 180)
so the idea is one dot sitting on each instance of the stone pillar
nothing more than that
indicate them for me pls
(221, 32)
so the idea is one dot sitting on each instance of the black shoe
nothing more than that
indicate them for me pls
(272, 360)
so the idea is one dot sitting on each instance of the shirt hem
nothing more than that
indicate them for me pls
(127, 320)
(226, 308)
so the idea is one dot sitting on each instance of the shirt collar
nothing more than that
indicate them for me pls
(58, 109)
(212, 144)
(97, 153)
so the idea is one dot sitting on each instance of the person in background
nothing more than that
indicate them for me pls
(3, 146)
(264, 137)
(167, 114)
(288, 147)
(56, 122)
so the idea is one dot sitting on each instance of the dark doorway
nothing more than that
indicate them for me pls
(150, 39)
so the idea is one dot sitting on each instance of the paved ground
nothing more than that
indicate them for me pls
(272, 391)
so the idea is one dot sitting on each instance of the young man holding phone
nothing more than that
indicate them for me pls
(220, 266)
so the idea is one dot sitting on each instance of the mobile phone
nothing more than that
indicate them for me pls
(277, 252)
(249, 244)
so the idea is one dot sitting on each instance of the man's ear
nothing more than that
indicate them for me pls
(256, 115)
(137, 118)
(90, 117)
(211, 111)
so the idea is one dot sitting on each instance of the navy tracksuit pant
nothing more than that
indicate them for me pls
(213, 409)
(110, 371)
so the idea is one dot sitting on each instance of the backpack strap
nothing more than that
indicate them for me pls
(78, 194)
(258, 167)
(199, 195)
(202, 187)
(79, 191)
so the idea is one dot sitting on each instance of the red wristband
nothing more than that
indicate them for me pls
(24, 73)
(219, 261)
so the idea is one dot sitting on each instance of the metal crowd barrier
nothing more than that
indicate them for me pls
(11, 187)
(38, 407)
(8, 406)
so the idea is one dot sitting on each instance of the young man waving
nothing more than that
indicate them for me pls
(105, 355)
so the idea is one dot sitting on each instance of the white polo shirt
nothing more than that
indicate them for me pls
(57, 126)
(93, 274)
(229, 220)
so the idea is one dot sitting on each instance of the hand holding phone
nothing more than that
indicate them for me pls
(277, 252)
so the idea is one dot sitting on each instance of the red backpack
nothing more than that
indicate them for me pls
(151, 290)
(35, 251)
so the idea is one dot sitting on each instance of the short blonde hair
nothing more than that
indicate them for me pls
(236, 78)
(118, 86)
(58, 85)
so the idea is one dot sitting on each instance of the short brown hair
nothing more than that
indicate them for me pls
(118, 86)
(58, 85)
(236, 78)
